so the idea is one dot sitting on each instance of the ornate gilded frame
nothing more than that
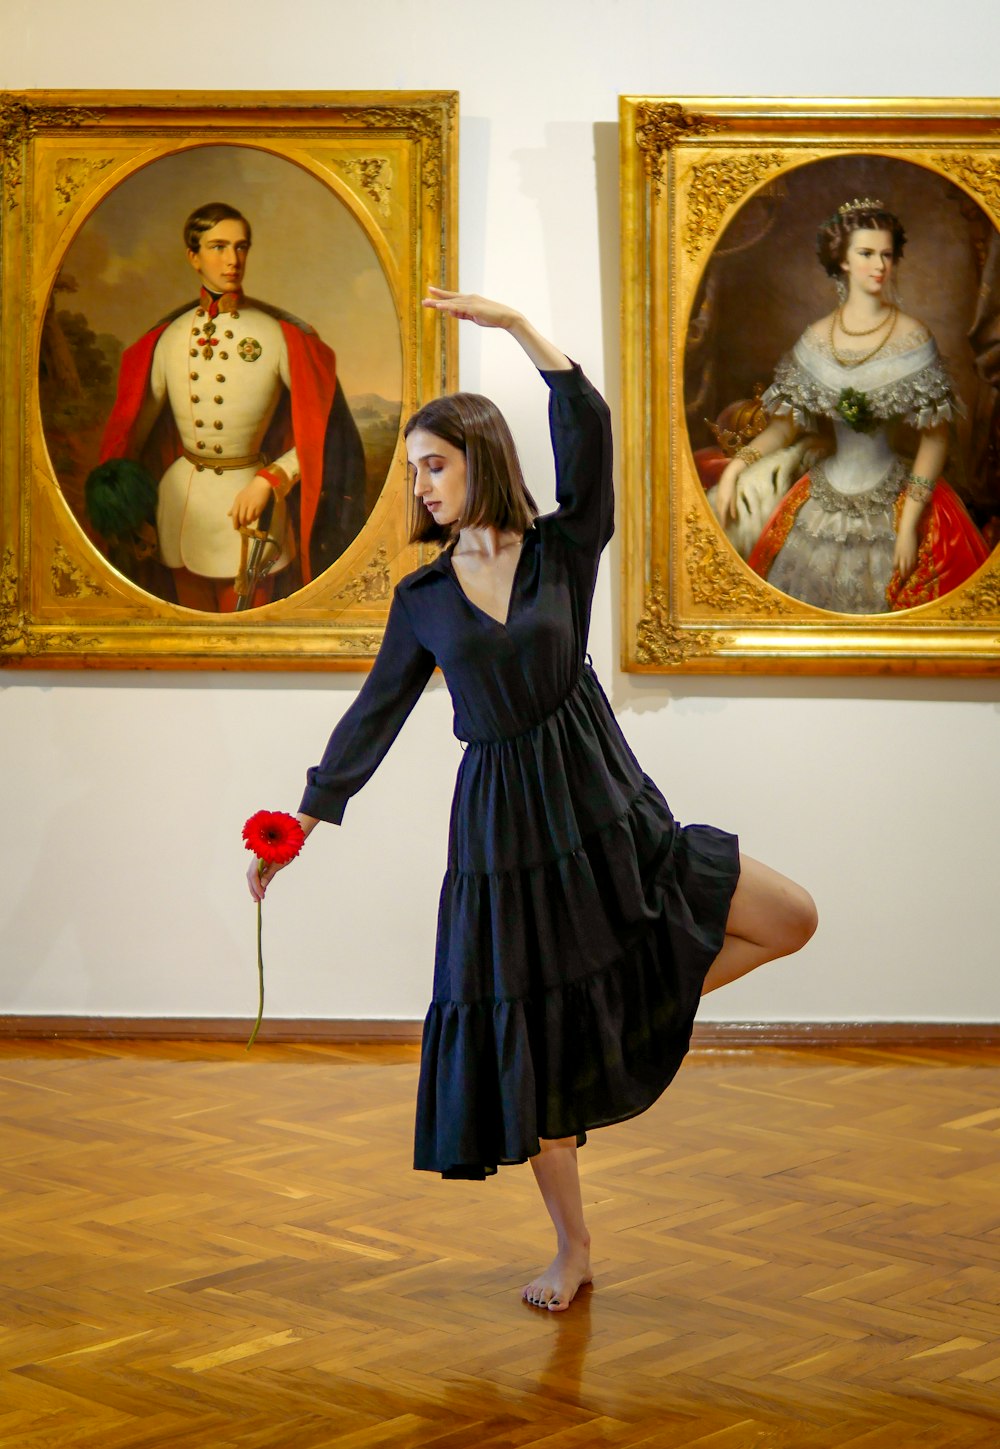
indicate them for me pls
(689, 602)
(391, 159)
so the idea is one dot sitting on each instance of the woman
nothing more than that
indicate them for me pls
(578, 923)
(865, 530)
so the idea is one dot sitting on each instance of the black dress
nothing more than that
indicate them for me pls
(577, 918)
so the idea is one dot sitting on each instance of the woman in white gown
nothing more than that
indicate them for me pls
(865, 530)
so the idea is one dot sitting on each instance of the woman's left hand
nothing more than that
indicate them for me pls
(904, 559)
(468, 307)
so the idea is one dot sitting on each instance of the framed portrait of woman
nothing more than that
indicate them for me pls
(211, 330)
(811, 304)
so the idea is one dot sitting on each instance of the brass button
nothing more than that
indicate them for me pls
(229, 335)
(199, 467)
(224, 356)
(220, 377)
(217, 448)
(235, 316)
(217, 425)
(194, 352)
(220, 471)
(200, 312)
(194, 377)
(217, 398)
(195, 397)
(201, 445)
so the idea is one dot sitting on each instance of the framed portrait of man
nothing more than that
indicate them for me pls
(211, 331)
(812, 428)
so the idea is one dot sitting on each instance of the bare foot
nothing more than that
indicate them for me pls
(555, 1287)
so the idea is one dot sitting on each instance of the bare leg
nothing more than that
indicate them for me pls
(770, 916)
(558, 1178)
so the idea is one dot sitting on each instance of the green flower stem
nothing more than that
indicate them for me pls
(260, 971)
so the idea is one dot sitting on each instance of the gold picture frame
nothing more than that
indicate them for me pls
(352, 198)
(721, 202)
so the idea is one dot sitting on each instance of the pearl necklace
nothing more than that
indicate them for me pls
(868, 331)
(857, 361)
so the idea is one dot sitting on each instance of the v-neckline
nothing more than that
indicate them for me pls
(503, 623)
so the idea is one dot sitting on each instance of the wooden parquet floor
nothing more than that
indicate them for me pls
(203, 1249)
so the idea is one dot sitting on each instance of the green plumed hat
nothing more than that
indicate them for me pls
(120, 495)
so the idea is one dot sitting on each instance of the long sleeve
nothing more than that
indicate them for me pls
(580, 425)
(362, 738)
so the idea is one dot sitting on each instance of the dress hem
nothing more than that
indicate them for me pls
(584, 1053)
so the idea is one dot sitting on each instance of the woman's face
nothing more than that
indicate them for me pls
(868, 261)
(439, 475)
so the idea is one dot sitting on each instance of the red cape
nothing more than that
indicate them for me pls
(313, 370)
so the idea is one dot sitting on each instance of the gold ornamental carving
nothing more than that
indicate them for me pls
(419, 125)
(717, 579)
(660, 641)
(19, 121)
(69, 581)
(361, 644)
(981, 174)
(372, 175)
(72, 175)
(715, 186)
(659, 127)
(16, 639)
(979, 602)
(12, 631)
(372, 585)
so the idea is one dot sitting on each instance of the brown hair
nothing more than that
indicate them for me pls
(496, 494)
(834, 235)
(203, 218)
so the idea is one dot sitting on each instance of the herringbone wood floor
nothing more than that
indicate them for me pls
(201, 1248)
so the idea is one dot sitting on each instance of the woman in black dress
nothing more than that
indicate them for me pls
(579, 923)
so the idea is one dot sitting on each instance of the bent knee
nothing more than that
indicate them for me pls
(799, 918)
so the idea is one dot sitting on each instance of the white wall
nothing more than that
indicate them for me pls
(123, 795)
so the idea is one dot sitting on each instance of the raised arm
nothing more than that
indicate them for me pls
(580, 425)
(579, 420)
(467, 307)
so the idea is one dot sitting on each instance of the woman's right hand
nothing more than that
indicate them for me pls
(725, 492)
(259, 878)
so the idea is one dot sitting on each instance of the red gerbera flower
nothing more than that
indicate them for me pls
(274, 836)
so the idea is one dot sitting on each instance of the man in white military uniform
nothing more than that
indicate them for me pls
(233, 404)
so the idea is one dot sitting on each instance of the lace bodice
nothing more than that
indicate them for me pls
(907, 382)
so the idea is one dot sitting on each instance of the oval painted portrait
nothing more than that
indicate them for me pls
(220, 377)
(841, 365)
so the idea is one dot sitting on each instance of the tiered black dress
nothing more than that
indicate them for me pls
(577, 918)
